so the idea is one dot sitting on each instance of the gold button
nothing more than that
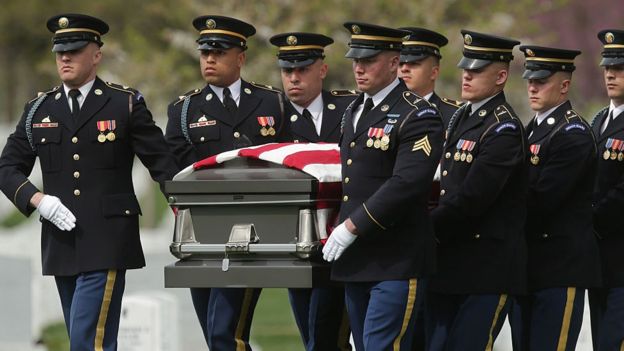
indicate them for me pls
(442, 192)
(43, 140)
(76, 174)
(76, 157)
(345, 198)
(352, 144)
(202, 139)
(77, 192)
(349, 162)
(447, 155)
(477, 236)
(347, 180)
(236, 134)
(127, 212)
(75, 140)
(444, 173)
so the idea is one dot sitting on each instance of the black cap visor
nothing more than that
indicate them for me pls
(69, 46)
(537, 74)
(612, 61)
(407, 58)
(296, 63)
(360, 53)
(472, 63)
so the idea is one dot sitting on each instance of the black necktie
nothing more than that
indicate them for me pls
(606, 122)
(73, 96)
(307, 115)
(368, 105)
(229, 103)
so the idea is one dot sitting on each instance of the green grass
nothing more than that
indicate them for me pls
(13, 219)
(54, 337)
(274, 326)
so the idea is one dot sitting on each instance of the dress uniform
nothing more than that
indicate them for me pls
(479, 222)
(390, 146)
(420, 44)
(86, 146)
(319, 312)
(563, 255)
(607, 304)
(208, 121)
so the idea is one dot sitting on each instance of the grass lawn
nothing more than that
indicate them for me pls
(274, 327)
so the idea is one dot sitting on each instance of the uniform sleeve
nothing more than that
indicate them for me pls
(570, 154)
(284, 134)
(609, 207)
(178, 145)
(16, 164)
(149, 144)
(419, 150)
(500, 153)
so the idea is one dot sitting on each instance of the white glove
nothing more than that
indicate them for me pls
(338, 241)
(51, 208)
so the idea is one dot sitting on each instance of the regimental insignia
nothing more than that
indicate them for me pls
(355, 29)
(46, 120)
(98, 91)
(609, 37)
(63, 22)
(467, 39)
(291, 40)
(211, 24)
(331, 106)
(202, 119)
(423, 145)
(530, 52)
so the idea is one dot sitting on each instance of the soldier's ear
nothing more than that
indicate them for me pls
(501, 77)
(324, 70)
(565, 86)
(242, 57)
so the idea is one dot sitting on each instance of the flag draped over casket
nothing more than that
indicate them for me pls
(320, 160)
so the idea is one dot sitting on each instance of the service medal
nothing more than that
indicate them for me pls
(385, 140)
(369, 142)
(384, 147)
(615, 147)
(371, 134)
(101, 138)
(264, 132)
(606, 154)
(377, 144)
(463, 157)
(271, 131)
(620, 157)
(535, 160)
(110, 136)
(469, 158)
(456, 156)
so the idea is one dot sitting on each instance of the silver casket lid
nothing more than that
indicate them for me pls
(245, 223)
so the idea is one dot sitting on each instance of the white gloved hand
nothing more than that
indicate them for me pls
(51, 208)
(338, 241)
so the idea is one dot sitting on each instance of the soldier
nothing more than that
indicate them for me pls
(606, 304)
(562, 251)
(86, 134)
(384, 243)
(420, 68)
(479, 222)
(315, 116)
(228, 113)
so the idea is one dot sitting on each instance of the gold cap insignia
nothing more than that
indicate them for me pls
(63, 22)
(355, 29)
(609, 37)
(467, 39)
(291, 40)
(530, 52)
(211, 24)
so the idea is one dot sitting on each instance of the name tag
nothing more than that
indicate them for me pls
(45, 125)
(203, 124)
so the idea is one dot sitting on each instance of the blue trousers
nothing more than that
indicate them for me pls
(200, 297)
(321, 318)
(464, 322)
(229, 315)
(607, 318)
(381, 314)
(548, 319)
(91, 304)
(419, 328)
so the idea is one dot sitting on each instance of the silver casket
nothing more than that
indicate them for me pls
(245, 223)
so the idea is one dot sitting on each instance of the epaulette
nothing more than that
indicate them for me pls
(39, 94)
(344, 92)
(600, 113)
(454, 103)
(187, 94)
(502, 112)
(571, 114)
(413, 99)
(123, 88)
(265, 87)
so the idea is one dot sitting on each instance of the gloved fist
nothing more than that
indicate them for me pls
(51, 208)
(338, 241)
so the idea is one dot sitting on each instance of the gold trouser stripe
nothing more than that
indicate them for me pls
(499, 308)
(411, 300)
(242, 319)
(567, 316)
(106, 300)
(622, 346)
(18, 189)
(344, 331)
